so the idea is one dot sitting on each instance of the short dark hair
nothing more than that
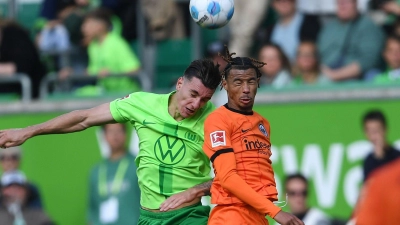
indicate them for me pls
(206, 71)
(123, 125)
(240, 63)
(296, 176)
(101, 14)
(392, 37)
(374, 115)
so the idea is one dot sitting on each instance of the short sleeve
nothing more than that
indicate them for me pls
(217, 136)
(125, 109)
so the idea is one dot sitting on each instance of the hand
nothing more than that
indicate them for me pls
(64, 73)
(330, 73)
(12, 137)
(391, 7)
(178, 199)
(104, 73)
(285, 218)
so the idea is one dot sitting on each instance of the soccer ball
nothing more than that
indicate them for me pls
(211, 14)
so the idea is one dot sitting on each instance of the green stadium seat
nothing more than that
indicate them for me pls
(172, 58)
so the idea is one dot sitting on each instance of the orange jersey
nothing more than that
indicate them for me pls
(379, 201)
(238, 144)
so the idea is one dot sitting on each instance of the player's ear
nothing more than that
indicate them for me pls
(179, 83)
(224, 83)
(258, 82)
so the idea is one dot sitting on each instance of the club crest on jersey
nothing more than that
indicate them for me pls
(262, 129)
(218, 138)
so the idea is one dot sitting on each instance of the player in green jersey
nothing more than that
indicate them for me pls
(172, 169)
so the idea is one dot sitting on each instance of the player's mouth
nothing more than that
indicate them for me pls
(245, 100)
(189, 111)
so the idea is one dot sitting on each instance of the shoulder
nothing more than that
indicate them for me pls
(369, 159)
(218, 115)
(394, 151)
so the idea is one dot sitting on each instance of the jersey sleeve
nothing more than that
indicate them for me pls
(216, 137)
(125, 109)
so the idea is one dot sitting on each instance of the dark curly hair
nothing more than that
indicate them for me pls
(240, 63)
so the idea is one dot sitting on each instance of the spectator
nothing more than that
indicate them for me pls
(292, 27)
(374, 123)
(390, 7)
(276, 74)
(380, 200)
(14, 209)
(307, 68)
(10, 160)
(391, 55)
(114, 191)
(165, 21)
(242, 30)
(350, 44)
(296, 187)
(18, 54)
(108, 54)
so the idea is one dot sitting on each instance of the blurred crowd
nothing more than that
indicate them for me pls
(114, 194)
(303, 42)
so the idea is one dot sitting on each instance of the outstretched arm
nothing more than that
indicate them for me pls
(67, 123)
(187, 196)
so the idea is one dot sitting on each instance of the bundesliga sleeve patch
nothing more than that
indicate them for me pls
(218, 138)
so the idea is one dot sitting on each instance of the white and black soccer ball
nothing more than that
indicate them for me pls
(211, 14)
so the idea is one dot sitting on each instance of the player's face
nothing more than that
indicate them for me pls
(375, 132)
(241, 86)
(9, 162)
(191, 95)
(92, 27)
(296, 190)
(284, 7)
(392, 54)
(115, 136)
(306, 58)
(270, 55)
(346, 9)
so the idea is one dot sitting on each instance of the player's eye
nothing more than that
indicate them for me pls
(193, 95)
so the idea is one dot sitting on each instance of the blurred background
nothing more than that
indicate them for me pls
(332, 67)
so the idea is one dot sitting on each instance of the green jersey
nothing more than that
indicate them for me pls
(171, 158)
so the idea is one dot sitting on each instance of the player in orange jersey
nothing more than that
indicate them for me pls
(379, 201)
(237, 141)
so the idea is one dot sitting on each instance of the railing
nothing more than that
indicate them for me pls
(24, 80)
(53, 78)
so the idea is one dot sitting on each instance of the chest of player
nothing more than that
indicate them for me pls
(170, 143)
(252, 138)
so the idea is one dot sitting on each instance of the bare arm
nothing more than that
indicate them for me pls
(187, 197)
(350, 71)
(67, 123)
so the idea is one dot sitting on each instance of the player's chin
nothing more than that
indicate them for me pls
(187, 112)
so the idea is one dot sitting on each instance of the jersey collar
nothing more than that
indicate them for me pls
(238, 111)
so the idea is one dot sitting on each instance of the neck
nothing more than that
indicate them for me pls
(117, 154)
(173, 108)
(309, 77)
(234, 107)
(101, 37)
(380, 152)
(302, 211)
(287, 19)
